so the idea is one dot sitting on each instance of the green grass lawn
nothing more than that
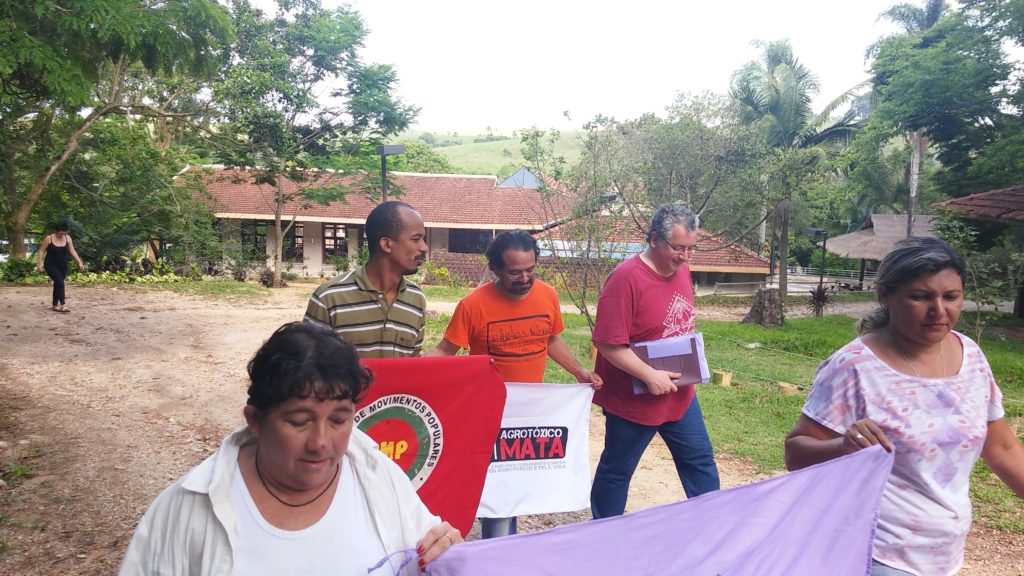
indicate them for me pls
(218, 288)
(444, 293)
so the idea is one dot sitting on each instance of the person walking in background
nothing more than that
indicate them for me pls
(52, 257)
(516, 319)
(649, 297)
(374, 306)
(923, 391)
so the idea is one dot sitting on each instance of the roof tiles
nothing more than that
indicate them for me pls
(453, 201)
(450, 201)
(1002, 205)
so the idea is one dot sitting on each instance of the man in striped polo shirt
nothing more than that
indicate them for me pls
(374, 307)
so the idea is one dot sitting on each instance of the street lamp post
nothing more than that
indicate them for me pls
(384, 151)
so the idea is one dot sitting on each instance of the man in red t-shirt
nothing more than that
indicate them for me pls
(516, 319)
(648, 297)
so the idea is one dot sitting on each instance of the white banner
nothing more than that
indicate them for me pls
(541, 460)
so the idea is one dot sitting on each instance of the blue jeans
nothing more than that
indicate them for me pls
(624, 444)
(497, 527)
(879, 569)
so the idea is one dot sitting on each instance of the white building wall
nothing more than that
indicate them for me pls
(313, 248)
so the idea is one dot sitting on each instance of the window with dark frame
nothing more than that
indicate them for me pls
(465, 241)
(254, 236)
(293, 241)
(335, 243)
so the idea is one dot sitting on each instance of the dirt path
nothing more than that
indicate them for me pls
(109, 404)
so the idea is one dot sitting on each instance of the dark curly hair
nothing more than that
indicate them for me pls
(303, 359)
(509, 240)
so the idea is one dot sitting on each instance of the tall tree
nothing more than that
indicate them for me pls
(695, 156)
(421, 157)
(775, 93)
(65, 64)
(875, 170)
(947, 84)
(914, 20)
(120, 189)
(296, 96)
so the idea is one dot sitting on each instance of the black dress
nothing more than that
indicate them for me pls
(55, 262)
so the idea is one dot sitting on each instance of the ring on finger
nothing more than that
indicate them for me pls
(858, 437)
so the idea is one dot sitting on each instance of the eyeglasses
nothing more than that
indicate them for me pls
(681, 249)
(528, 273)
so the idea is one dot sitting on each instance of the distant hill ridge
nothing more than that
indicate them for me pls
(491, 152)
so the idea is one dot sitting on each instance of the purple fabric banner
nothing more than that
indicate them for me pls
(819, 520)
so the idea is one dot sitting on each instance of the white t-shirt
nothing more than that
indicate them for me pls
(342, 543)
(937, 426)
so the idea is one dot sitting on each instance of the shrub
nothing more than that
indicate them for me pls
(17, 270)
(241, 262)
(267, 278)
(820, 298)
(340, 263)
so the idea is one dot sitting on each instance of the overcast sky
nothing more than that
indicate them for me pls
(470, 64)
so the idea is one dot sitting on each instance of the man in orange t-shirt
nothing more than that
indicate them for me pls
(516, 319)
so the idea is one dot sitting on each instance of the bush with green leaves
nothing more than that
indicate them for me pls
(267, 278)
(340, 263)
(241, 261)
(125, 277)
(18, 270)
(992, 275)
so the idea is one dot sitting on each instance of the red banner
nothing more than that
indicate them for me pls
(438, 419)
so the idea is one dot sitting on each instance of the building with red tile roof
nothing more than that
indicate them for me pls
(715, 261)
(461, 214)
(1002, 205)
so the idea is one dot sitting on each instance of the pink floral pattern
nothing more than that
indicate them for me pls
(938, 427)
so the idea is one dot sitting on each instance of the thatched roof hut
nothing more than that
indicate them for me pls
(877, 235)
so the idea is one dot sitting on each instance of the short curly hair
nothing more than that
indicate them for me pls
(667, 216)
(509, 240)
(303, 359)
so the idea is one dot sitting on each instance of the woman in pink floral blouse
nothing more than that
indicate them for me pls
(924, 392)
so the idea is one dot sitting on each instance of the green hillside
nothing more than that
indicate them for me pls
(495, 153)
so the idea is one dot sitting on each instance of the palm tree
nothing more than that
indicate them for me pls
(775, 93)
(913, 20)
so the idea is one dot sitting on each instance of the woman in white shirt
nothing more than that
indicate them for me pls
(298, 490)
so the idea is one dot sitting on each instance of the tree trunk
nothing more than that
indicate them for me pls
(917, 145)
(19, 216)
(278, 231)
(1018, 303)
(766, 310)
(16, 239)
(783, 253)
(762, 228)
(15, 223)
